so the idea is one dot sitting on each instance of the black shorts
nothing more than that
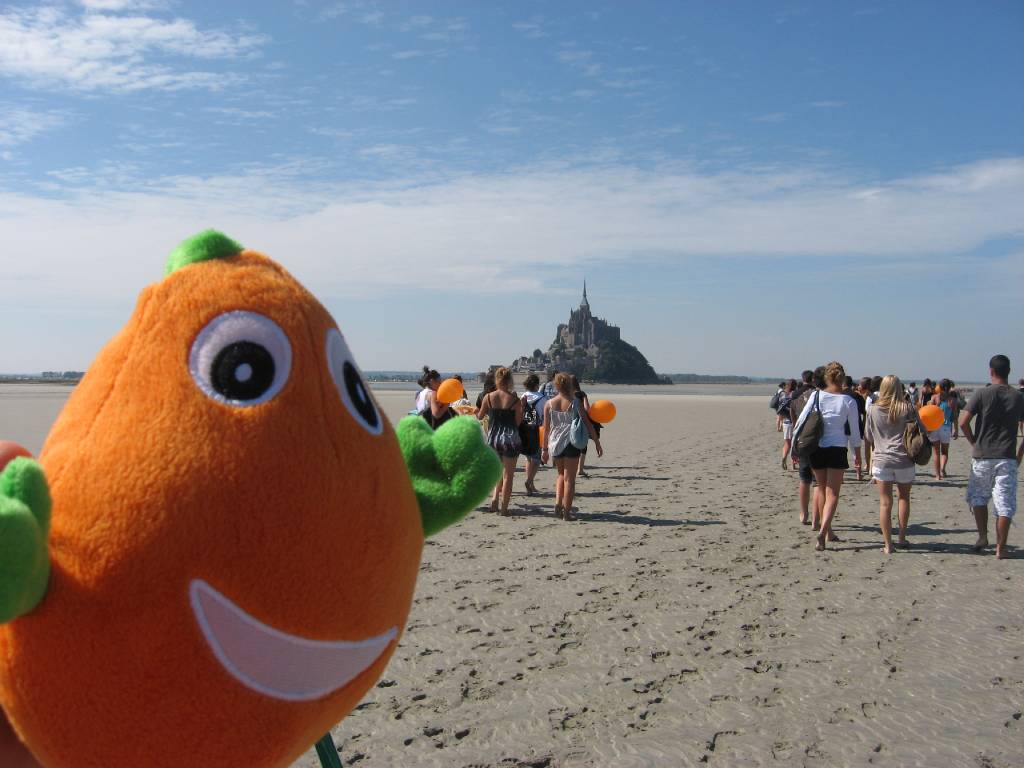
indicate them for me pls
(569, 452)
(806, 474)
(830, 458)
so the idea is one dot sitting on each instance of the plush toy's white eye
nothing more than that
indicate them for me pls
(241, 359)
(349, 382)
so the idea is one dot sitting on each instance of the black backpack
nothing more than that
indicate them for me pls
(530, 416)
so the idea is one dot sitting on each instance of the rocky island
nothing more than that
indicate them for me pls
(593, 349)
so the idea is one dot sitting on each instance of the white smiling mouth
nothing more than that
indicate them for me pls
(275, 663)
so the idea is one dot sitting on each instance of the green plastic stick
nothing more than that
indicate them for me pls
(327, 752)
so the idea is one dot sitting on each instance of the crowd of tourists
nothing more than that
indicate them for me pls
(825, 416)
(548, 423)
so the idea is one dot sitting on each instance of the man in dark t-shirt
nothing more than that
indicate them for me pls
(998, 411)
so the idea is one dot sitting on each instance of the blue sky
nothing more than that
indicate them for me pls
(748, 187)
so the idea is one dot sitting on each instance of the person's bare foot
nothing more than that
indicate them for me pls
(568, 515)
(887, 549)
(903, 544)
(494, 505)
(833, 537)
(820, 542)
(981, 544)
(1000, 553)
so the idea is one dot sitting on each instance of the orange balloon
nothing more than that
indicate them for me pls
(932, 417)
(10, 450)
(602, 411)
(449, 391)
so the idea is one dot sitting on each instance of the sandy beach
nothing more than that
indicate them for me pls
(686, 619)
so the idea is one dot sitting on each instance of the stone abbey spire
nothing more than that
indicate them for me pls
(585, 303)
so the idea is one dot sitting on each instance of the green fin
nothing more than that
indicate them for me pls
(452, 469)
(24, 527)
(208, 244)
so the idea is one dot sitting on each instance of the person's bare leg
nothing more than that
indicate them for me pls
(559, 486)
(1002, 533)
(785, 451)
(834, 482)
(903, 490)
(496, 496)
(938, 459)
(569, 492)
(805, 502)
(885, 514)
(531, 473)
(981, 520)
(945, 458)
(580, 472)
(820, 476)
(508, 466)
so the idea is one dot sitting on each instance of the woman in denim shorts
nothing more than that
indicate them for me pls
(884, 426)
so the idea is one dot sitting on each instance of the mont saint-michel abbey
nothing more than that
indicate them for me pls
(583, 329)
(593, 349)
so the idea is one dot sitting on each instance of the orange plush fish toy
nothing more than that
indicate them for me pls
(214, 557)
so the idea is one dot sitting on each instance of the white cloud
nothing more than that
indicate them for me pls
(19, 125)
(116, 6)
(828, 104)
(771, 117)
(534, 29)
(580, 59)
(410, 54)
(476, 231)
(96, 51)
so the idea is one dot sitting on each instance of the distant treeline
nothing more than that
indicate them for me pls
(46, 377)
(699, 378)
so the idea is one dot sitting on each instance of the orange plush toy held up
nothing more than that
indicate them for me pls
(215, 555)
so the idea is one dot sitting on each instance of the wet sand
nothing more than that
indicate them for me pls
(686, 618)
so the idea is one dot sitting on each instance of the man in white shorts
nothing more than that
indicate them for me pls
(999, 409)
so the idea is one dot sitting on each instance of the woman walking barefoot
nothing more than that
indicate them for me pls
(785, 398)
(885, 424)
(558, 415)
(583, 403)
(506, 412)
(940, 437)
(830, 460)
(529, 430)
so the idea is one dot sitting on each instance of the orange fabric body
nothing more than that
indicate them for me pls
(289, 508)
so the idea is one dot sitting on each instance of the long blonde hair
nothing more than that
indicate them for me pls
(893, 398)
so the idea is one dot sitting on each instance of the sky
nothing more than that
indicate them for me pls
(747, 187)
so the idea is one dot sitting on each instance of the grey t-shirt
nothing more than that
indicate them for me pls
(887, 438)
(997, 410)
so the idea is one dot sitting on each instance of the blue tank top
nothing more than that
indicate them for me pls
(947, 413)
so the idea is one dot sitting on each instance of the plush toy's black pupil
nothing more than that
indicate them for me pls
(242, 371)
(360, 397)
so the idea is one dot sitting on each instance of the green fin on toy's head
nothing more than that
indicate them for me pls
(208, 244)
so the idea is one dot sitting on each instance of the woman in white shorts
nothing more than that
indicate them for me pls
(884, 424)
(787, 425)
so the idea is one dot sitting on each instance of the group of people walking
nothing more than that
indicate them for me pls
(825, 416)
(544, 424)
